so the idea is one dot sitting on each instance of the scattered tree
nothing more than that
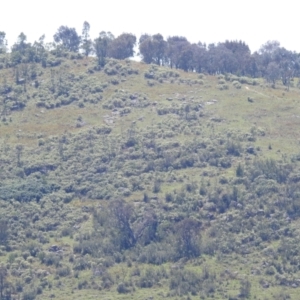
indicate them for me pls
(273, 73)
(101, 45)
(175, 45)
(19, 150)
(245, 288)
(3, 232)
(188, 238)
(3, 276)
(2, 42)
(68, 38)
(153, 48)
(122, 47)
(86, 41)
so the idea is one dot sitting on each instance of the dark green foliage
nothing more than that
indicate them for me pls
(122, 213)
(229, 57)
(3, 231)
(3, 281)
(234, 148)
(86, 41)
(2, 42)
(152, 48)
(183, 282)
(50, 259)
(28, 190)
(68, 38)
(188, 238)
(63, 271)
(245, 288)
(156, 186)
(80, 264)
(123, 289)
(239, 171)
(29, 293)
(169, 197)
(271, 170)
(101, 46)
(122, 46)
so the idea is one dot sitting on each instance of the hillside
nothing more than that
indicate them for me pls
(135, 181)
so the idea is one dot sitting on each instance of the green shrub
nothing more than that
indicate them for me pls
(29, 293)
(236, 84)
(222, 87)
(82, 263)
(169, 197)
(110, 71)
(150, 83)
(123, 289)
(82, 284)
(149, 75)
(182, 282)
(63, 271)
(239, 171)
(270, 271)
(50, 259)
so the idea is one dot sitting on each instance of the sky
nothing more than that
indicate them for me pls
(209, 21)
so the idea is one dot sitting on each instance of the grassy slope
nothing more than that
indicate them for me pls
(276, 113)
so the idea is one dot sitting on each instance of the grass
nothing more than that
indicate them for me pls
(232, 107)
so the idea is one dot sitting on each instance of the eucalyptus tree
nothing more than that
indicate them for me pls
(87, 44)
(153, 48)
(2, 42)
(21, 51)
(68, 38)
(123, 46)
(175, 47)
(101, 46)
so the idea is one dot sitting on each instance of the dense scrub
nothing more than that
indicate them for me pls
(131, 179)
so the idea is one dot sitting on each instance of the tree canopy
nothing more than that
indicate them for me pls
(68, 38)
(2, 41)
(271, 61)
(123, 46)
